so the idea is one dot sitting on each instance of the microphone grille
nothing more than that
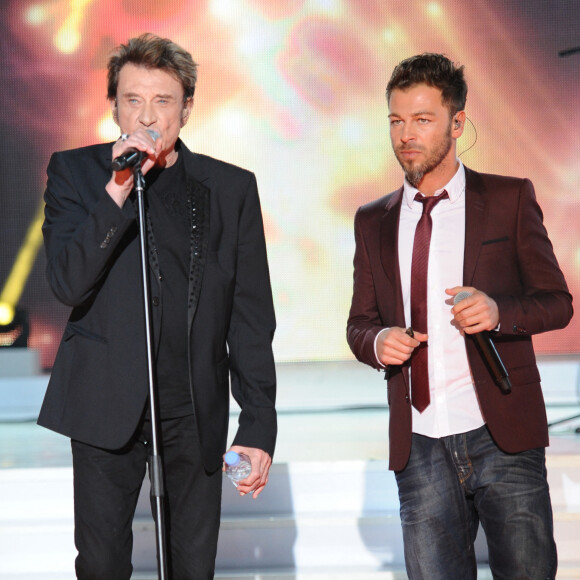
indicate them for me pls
(154, 134)
(461, 296)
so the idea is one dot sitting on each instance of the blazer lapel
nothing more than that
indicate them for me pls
(198, 204)
(389, 251)
(198, 207)
(476, 215)
(389, 240)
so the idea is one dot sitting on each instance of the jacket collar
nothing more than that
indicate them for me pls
(198, 207)
(476, 216)
(389, 237)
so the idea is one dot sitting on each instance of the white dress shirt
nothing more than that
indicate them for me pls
(454, 407)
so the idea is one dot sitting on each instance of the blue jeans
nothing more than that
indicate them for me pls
(453, 483)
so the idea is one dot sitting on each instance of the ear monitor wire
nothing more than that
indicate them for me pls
(474, 139)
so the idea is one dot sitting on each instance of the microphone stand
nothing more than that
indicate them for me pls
(155, 460)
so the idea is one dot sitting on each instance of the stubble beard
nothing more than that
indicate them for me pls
(415, 173)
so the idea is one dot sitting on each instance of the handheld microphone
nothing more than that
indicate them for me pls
(132, 156)
(489, 353)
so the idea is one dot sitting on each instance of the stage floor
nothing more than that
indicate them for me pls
(331, 416)
(327, 411)
(317, 435)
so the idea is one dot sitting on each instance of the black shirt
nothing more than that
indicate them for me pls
(167, 206)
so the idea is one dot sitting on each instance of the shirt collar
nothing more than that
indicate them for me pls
(455, 188)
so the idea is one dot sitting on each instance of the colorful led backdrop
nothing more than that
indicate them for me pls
(294, 90)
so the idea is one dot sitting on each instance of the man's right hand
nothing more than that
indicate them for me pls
(394, 346)
(121, 182)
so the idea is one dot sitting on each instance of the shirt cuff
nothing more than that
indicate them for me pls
(375, 348)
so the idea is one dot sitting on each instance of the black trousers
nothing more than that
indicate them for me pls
(106, 490)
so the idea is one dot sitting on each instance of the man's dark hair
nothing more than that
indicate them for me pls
(153, 52)
(434, 70)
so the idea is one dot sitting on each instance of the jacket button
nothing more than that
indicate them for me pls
(155, 300)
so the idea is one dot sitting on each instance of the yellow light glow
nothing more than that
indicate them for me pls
(434, 9)
(6, 313)
(225, 9)
(35, 15)
(389, 35)
(18, 276)
(68, 37)
(395, 34)
(330, 7)
(107, 129)
(67, 40)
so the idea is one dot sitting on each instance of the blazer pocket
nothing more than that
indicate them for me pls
(73, 329)
(495, 241)
(524, 375)
(495, 247)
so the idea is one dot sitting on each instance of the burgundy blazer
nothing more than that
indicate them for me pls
(509, 256)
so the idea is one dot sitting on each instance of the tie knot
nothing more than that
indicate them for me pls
(430, 202)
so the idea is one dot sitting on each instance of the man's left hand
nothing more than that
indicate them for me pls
(257, 480)
(475, 313)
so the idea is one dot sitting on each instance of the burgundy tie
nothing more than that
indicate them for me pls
(419, 266)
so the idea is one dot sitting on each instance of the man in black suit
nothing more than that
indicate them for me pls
(212, 318)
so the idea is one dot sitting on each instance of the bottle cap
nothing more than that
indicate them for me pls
(232, 458)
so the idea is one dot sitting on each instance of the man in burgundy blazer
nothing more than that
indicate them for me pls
(528, 286)
(517, 290)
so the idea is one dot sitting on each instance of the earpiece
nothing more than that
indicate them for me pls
(457, 124)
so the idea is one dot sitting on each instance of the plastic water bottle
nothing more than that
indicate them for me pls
(238, 466)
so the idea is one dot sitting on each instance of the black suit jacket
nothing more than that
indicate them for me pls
(98, 387)
(509, 257)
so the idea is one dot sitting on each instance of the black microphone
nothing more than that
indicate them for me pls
(489, 353)
(132, 156)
